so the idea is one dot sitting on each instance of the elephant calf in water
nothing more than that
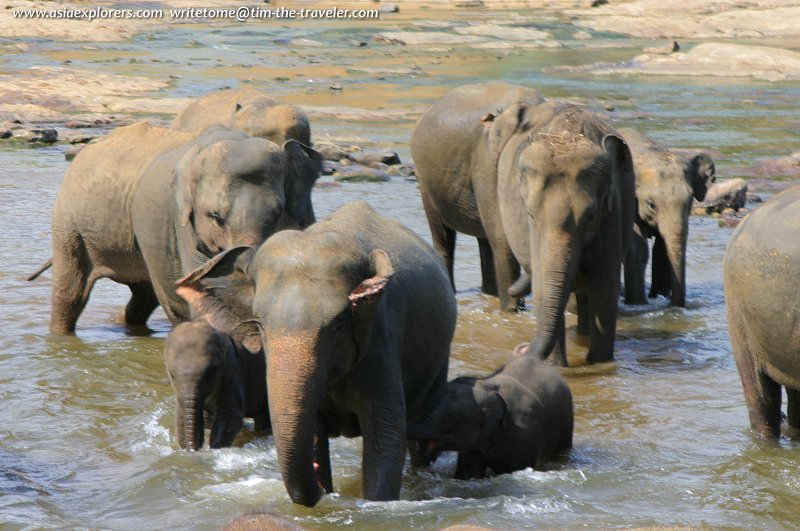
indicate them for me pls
(215, 375)
(518, 417)
(666, 183)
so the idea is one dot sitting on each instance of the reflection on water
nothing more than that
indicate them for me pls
(661, 436)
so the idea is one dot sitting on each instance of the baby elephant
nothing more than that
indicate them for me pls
(516, 418)
(215, 375)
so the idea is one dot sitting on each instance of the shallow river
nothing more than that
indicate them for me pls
(661, 434)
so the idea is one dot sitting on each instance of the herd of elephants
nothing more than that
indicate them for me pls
(342, 327)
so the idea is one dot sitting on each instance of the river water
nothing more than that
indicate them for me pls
(661, 435)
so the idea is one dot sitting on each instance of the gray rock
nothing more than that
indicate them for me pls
(330, 151)
(360, 174)
(389, 8)
(470, 3)
(726, 194)
(6, 133)
(42, 136)
(370, 157)
(73, 151)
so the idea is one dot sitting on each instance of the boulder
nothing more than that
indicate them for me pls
(371, 157)
(330, 151)
(360, 174)
(725, 194)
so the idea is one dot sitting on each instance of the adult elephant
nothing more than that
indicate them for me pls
(357, 314)
(249, 110)
(760, 271)
(130, 211)
(456, 160)
(666, 184)
(566, 195)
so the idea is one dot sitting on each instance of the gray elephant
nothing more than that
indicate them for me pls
(357, 315)
(456, 166)
(249, 110)
(214, 375)
(146, 205)
(518, 417)
(760, 272)
(567, 204)
(558, 188)
(666, 183)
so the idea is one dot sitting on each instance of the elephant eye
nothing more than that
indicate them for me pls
(651, 204)
(216, 218)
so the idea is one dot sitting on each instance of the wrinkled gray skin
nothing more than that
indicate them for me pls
(666, 184)
(146, 205)
(249, 110)
(214, 375)
(760, 271)
(518, 417)
(566, 195)
(357, 314)
(456, 165)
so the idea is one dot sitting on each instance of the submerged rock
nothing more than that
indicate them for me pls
(360, 174)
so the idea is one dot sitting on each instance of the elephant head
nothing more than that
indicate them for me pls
(462, 416)
(235, 191)
(313, 298)
(565, 189)
(263, 117)
(666, 184)
(206, 374)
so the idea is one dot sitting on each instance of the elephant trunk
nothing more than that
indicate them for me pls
(296, 382)
(554, 265)
(190, 421)
(676, 254)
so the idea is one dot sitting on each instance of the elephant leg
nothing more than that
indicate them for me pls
(488, 277)
(603, 294)
(661, 281)
(635, 266)
(762, 394)
(143, 302)
(442, 236)
(793, 408)
(470, 465)
(419, 456)
(322, 457)
(71, 284)
(582, 303)
(506, 267)
(384, 443)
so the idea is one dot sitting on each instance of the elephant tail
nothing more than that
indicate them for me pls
(41, 270)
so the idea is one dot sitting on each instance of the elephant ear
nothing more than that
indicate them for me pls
(305, 165)
(501, 126)
(221, 292)
(621, 170)
(494, 409)
(703, 174)
(186, 182)
(370, 290)
(365, 297)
